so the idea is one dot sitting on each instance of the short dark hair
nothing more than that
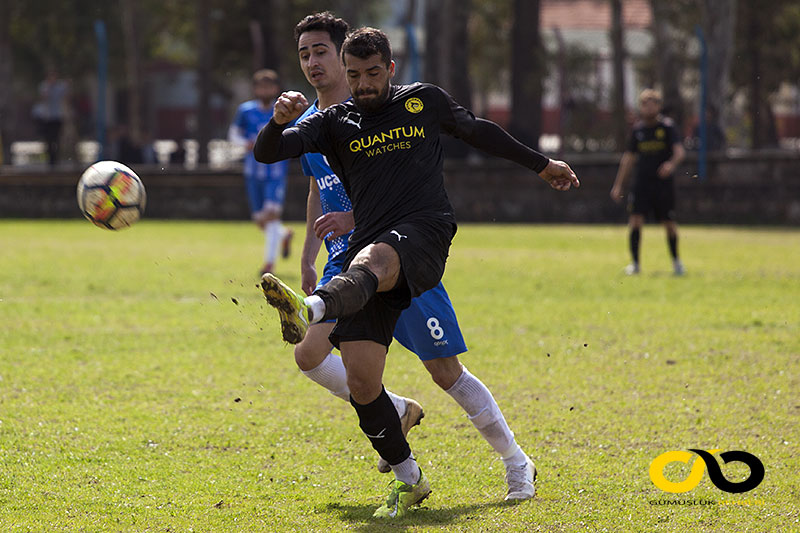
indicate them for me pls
(266, 75)
(326, 21)
(366, 42)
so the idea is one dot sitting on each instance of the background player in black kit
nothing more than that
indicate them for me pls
(655, 149)
(384, 146)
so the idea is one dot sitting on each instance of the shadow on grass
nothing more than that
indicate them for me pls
(360, 516)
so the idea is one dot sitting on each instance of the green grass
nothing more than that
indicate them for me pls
(144, 385)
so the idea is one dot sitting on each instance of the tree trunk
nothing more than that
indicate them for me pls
(268, 15)
(720, 22)
(447, 57)
(669, 67)
(618, 62)
(433, 42)
(527, 70)
(204, 80)
(6, 74)
(132, 67)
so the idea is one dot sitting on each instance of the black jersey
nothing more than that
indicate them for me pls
(653, 144)
(390, 161)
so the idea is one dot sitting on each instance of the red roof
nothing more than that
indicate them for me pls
(593, 14)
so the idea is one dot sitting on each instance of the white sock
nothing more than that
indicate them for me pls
(317, 307)
(398, 401)
(407, 471)
(330, 373)
(272, 237)
(485, 415)
(517, 459)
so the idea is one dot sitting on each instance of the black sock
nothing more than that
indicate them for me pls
(347, 292)
(673, 245)
(635, 237)
(380, 423)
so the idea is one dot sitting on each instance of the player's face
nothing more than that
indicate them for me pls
(649, 108)
(369, 80)
(319, 60)
(266, 91)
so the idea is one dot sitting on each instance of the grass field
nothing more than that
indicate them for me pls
(144, 385)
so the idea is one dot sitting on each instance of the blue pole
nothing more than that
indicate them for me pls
(102, 77)
(702, 156)
(413, 53)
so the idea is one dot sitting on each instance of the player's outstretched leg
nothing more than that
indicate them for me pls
(402, 496)
(291, 307)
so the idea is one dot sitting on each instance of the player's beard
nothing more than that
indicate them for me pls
(372, 103)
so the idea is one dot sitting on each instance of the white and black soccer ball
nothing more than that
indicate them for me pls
(111, 195)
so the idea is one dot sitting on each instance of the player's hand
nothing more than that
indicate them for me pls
(616, 194)
(665, 169)
(288, 107)
(308, 278)
(559, 175)
(334, 224)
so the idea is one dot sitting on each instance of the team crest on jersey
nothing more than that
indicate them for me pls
(414, 105)
(354, 119)
(660, 133)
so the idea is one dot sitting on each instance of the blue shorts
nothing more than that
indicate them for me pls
(261, 192)
(428, 327)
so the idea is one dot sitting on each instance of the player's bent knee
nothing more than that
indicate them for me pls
(305, 358)
(444, 371)
(363, 391)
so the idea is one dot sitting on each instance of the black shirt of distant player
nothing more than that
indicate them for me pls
(653, 144)
(390, 162)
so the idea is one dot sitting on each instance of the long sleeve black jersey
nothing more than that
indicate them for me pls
(390, 161)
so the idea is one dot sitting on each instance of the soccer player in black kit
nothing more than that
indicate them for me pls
(656, 151)
(384, 146)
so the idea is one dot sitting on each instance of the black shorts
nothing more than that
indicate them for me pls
(656, 199)
(423, 246)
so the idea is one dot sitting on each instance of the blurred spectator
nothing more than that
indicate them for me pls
(123, 148)
(714, 134)
(178, 157)
(49, 112)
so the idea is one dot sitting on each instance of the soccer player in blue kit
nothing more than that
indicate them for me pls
(404, 260)
(265, 184)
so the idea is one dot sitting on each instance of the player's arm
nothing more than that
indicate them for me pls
(487, 136)
(312, 244)
(666, 168)
(274, 141)
(494, 140)
(236, 134)
(236, 137)
(625, 167)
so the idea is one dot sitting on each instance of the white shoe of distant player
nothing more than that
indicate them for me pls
(521, 481)
(677, 267)
(412, 417)
(632, 269)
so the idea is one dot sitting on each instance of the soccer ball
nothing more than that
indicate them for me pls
(111, 195)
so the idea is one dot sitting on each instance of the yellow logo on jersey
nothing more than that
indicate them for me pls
(660, 133)
(414, 105)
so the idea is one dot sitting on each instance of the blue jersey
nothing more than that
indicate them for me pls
(331, 191)
(250, 118)
(429, 327)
